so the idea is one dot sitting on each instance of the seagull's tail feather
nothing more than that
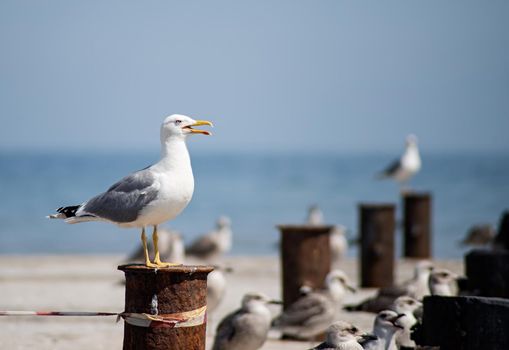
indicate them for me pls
(65, 212)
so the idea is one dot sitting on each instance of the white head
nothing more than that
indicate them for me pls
(253, 299)
(342, 332)
(179, 126)
(386, 320)
(337, 282)
(439, 281)
(411, 140)
(405, 304)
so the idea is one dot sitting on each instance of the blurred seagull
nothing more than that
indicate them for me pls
(410, 307)
(315, 216)
(385, 328)
(416, 287)
(150, 196)
(480, 235)
(216, 287)
(170, 244)
(246, 328)
(401, 170)
(338, 244)
(440, 282)
(338, 241)
(342, 335)
(314, 311)
(214, 243)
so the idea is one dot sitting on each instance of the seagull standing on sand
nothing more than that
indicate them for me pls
(338, 244)
(341, 335)
(246, 328)
(216, 287)
(410, 307)
(440, 282)
(150, 196)
(385, 329)
(416, 287)
(215, 243)
(402, 170)
(312, 313)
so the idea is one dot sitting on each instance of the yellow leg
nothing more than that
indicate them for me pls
(157, 258)
(145, 249)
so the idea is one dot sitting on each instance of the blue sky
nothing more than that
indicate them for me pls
(338, 76)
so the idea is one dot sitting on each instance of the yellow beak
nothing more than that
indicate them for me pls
(198, 131)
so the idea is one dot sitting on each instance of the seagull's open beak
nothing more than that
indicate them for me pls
(189, 128)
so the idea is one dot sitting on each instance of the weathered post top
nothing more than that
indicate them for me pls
(305, 258)
(177, 294)
(377, 224)
(417, 225)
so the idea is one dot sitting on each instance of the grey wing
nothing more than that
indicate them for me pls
(123, 201)
(391, 169)
(225, 331)
(304, 310)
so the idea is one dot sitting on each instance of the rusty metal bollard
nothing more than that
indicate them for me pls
(464, 323)
(305, 258)
(417, 225)
(173, 293)
(502, 238)
(377, 224)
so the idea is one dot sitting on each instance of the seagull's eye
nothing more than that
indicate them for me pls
(178, 121)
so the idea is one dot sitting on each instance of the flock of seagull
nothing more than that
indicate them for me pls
(162, 191)
(398, 308)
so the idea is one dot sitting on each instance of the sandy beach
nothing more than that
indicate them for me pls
(92, 283)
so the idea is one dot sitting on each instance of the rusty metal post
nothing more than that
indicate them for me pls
(417, 225)
(165, 291)
(305, 258)
(464, 323)
(502, 238)
(377, 224)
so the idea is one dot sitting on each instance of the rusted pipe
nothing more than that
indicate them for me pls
(377, 224)
(417, 225)
(305, 258)
(173, 290)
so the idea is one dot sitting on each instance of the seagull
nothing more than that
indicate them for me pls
(385, 329)
(408, 306)
(314, 311)
(248, 327)
(338, 244)
(416, 287)
(215, 243)
(401, 170)
(216, 287)
(170, 244)
(149, 196)
(315, 216)
(479, 235)
(341, 335)
(440, 282)
(338, 241)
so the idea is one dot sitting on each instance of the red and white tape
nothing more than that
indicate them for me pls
(191, 318)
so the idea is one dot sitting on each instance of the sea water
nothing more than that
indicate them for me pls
(257, 191)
